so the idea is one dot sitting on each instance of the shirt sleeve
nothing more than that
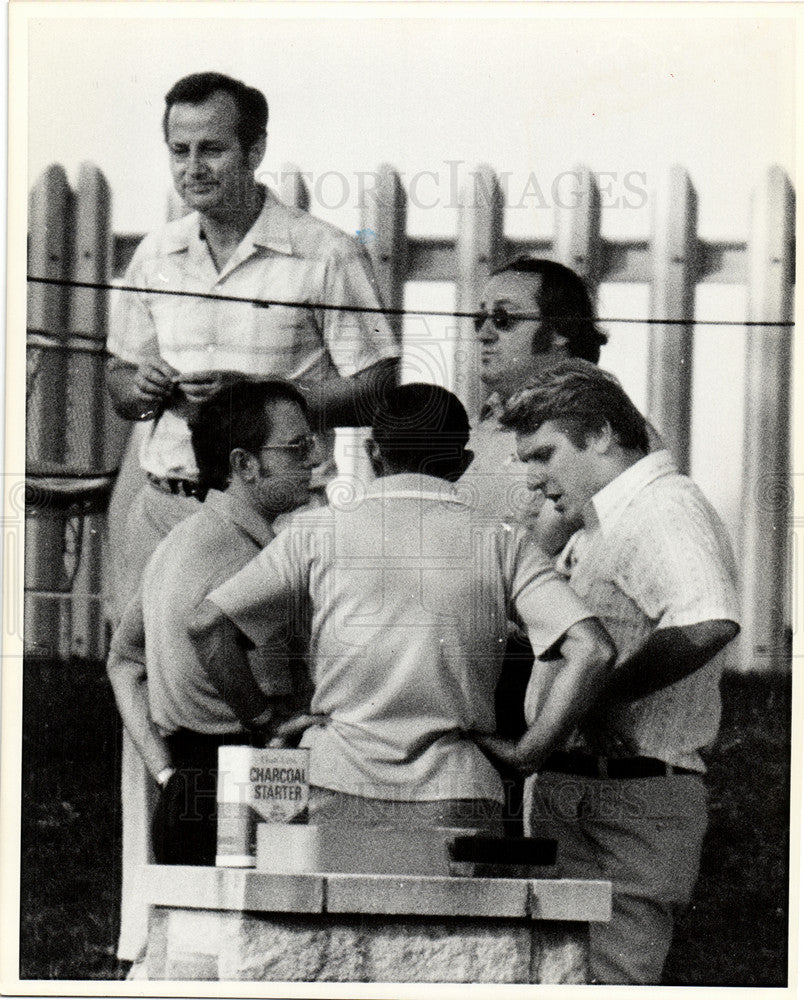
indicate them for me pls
(679, 567)
(265, 598)
(132, 332)
(355, 340)
(128, 640)
(542, 599)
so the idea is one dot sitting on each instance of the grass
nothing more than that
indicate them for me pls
(735, 933)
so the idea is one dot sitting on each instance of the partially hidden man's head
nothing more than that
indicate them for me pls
(577, 430)
(215, 130)
(515, 350)
(420, 428)
(256, 434)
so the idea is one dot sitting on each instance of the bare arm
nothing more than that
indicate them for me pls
(669, 655)
(221, 648)
(140, 392)
(587, 652)
(350, 402)
(128, 680)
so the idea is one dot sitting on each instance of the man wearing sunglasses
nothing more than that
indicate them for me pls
(255, 453)
(533, 314)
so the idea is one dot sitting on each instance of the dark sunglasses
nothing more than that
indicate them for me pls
(301, 449)
(500, 318)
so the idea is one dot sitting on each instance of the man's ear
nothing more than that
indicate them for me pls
(602, 440)
(256, 152)
(466, 459)
(375, 457)
(559, 344)
(243, 464)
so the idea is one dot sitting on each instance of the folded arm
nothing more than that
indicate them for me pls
(669, 655)
(222, 650)
(587, 653)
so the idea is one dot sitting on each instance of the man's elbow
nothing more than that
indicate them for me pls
(207, 619)
(719, 633)
(599, 651)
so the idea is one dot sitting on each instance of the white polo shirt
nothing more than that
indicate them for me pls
(287, 255)
(654, 555)
(410, 596)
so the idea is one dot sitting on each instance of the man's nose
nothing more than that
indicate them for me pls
(535, 479)
(195, 162)
(486, 333)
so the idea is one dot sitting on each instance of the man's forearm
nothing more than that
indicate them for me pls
(587, 654)
(350, 402)
(221, 648)
(129, 685)
(668, 656)
(120, 380)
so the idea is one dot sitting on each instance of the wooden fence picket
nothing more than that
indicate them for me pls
(70, 423)
(47, 623)
(577, 242)
(767, 488)
(674, 251)
(89, 413)
(480, 247)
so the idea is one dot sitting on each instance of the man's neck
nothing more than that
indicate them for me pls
(224, 231)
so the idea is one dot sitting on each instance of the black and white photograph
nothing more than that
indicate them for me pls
(401, 551)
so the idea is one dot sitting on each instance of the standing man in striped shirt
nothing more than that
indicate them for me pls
(625, 797)
(171, 353)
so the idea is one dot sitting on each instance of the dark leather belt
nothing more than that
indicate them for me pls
(590, 766)
(178, 487)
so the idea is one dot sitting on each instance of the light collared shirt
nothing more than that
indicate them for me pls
(654, 555)
(199, 553)
(410, 595)
(495, 484)
(286, 255)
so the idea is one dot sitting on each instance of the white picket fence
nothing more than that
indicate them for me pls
(74, 438)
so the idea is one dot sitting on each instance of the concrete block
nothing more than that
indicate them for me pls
(560, 953)
(461, 951)
(569, 899)
(426, 896)
(197, 887)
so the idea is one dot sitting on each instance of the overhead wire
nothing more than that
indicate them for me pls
(261, 303)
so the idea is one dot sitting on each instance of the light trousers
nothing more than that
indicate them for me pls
(644, 835)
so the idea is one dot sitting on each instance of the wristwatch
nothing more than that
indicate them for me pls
(164, 776)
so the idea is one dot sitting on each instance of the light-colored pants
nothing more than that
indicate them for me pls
(151, 516)
(644, 835)
(331, 807)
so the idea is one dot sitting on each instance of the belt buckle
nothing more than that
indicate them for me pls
(602, 767)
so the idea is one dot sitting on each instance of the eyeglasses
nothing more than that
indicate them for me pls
(500, 318)
(301, 449)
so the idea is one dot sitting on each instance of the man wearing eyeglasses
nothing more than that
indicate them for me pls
(255, 453)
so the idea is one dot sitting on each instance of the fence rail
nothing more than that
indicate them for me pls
(69, 238)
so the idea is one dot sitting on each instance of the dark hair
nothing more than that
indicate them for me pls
(562, 298)
(422, 428)
(235, 417)
(252, 108)
(580, 398)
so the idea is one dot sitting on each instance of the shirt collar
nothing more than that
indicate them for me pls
(608, 504)
(492, 409)
(414, 485)
(241, 514)
(271, 228)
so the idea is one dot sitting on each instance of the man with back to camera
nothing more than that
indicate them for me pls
(254, 450)
(409, 598)
(626, 798)
(170, 353)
